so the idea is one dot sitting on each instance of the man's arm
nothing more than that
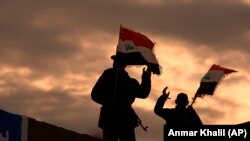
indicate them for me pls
(158, 109)
(145, 84)
(99, 89)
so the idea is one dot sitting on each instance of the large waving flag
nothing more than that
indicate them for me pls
(136, 49)
(13, 127)
(211, 80)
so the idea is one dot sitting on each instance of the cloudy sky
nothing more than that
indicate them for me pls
(52, 53)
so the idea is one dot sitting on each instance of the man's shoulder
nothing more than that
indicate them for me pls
(133, 81)
(108, 71)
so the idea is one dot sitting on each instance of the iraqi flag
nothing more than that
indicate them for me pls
(136, 49)
(211, 80)
(13, 127)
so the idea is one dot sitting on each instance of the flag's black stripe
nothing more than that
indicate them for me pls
(135, 58)
(207, 88)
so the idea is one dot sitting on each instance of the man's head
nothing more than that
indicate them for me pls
(182, 99)
(118, 63)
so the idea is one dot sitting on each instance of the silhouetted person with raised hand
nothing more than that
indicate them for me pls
(180, 116)
(116, 91)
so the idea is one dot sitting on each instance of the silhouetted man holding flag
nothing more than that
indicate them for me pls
(116, 91)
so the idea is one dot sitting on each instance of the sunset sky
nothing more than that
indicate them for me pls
(53, 52)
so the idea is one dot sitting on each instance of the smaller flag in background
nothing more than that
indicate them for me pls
(13, 127)
(211, 80)
(136, 49)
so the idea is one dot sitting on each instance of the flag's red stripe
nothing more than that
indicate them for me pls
(225, 70)
(138, 38)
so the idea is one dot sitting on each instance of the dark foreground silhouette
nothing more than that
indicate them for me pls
(181, 115)
(40, 131)
(116, 91)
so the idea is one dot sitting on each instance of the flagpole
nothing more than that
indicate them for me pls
(116, 82)
(195, 97)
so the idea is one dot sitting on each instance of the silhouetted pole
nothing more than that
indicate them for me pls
(195, 97)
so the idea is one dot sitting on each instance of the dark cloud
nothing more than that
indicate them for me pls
(205, 22)
(30, 30)
(221, 25)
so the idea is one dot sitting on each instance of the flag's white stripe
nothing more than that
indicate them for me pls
(145, 52)
(24, 135)
(148, 55)
(213, 76)
(122, 46)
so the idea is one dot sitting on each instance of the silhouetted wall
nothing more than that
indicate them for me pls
(41, 131)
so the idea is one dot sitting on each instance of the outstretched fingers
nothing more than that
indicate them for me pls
(165, 93)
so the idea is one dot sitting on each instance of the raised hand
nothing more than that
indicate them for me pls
(165, 93)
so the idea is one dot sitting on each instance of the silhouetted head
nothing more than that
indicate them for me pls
(182, 99)
(118, 62)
